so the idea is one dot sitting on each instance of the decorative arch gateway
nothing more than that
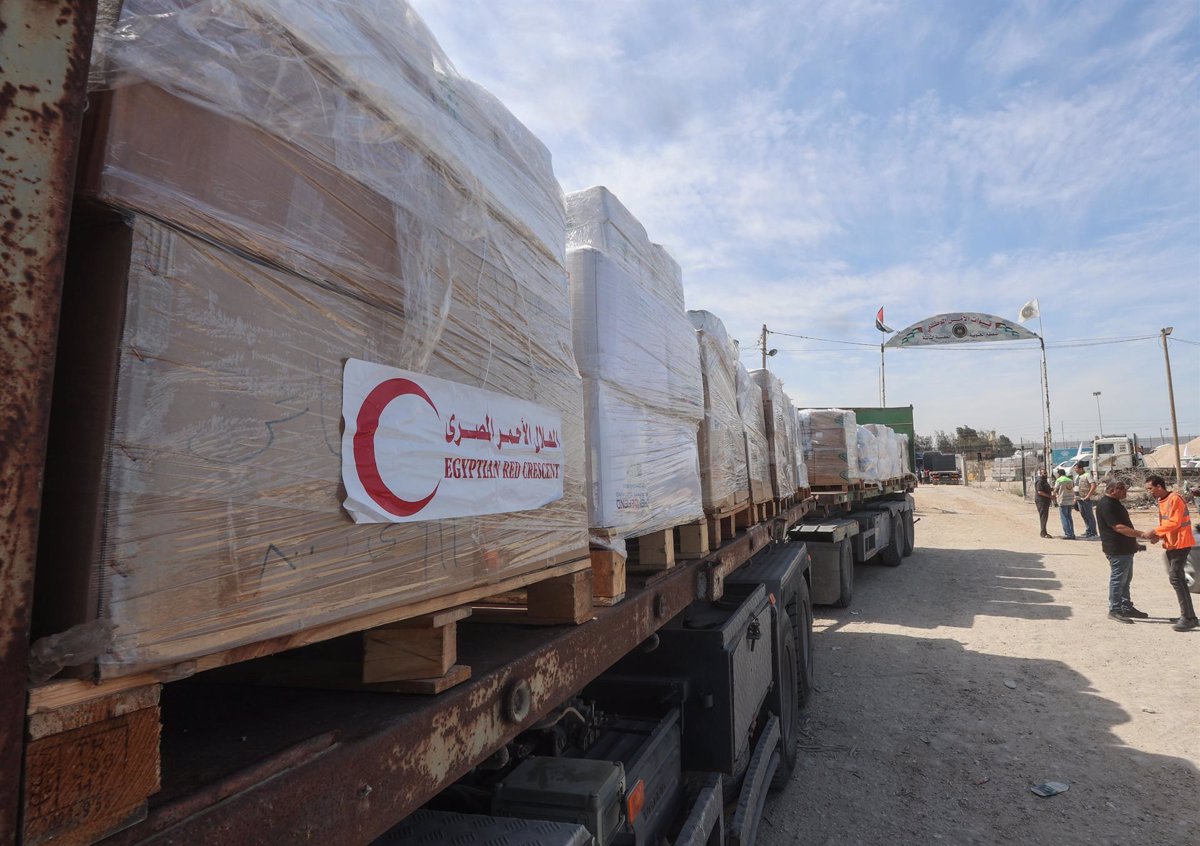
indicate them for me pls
(963, 327)
(959, 327)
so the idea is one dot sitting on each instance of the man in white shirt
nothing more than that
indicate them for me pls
(1064, 494)
(1085, 487)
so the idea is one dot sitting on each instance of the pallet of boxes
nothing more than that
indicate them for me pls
(643, 394)
(316, 384)
(785, 457)
(880, 450)
(724, 439)
(830, 437)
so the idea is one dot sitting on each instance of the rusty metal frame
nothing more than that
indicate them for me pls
(353, 790)
(45, 48)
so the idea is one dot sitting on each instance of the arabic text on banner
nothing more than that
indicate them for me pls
(959, 327)
(420, 448)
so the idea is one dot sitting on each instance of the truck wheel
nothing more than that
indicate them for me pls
(893, 553)
(789, 705)
(845, 575)
(803, 625)
(910, 533)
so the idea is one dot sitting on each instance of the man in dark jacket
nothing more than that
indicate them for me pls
(1119, 541)
(1043, 498)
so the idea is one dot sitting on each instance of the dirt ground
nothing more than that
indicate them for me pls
(981, 666)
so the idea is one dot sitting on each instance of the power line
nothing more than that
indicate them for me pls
(1183, 341)
(824, 340)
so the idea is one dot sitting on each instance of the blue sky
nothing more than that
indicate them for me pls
(809, 162)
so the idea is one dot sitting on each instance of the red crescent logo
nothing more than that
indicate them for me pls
(364, 446)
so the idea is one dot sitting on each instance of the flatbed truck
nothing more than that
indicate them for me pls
(679, 704)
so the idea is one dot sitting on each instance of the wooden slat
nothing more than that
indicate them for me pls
(457, 674)
(421, 648)
(656, 550)
(94, 778)
(81, 714)
(693, 540)
(608, 577)
(563, 600)
(56, 694)
(567, 599)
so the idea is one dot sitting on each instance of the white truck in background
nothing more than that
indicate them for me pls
(1114, 453)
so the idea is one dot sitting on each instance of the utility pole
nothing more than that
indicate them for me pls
(1049, 436)
(1100, 419)
(1024, 489)
(766, 352)
(1171, 395)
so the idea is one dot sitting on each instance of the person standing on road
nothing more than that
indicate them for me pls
(1119, 542)
(1174, 529)
(1085, 487)
(1064, 494)
(1043, 498)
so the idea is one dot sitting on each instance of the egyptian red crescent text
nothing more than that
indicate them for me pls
(364, 446)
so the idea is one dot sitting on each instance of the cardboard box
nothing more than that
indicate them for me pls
(724, 480)
(193, 492)
(830, 445)
(780, 446)
(638, 355)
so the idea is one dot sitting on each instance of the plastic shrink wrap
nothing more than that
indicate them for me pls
(640, 362)
(868, 454)
(830, 445)
(902, 443)
(758, 461)
(723, 475)
(797, 436)
(300, 183)
(780, 452)
(889, 451)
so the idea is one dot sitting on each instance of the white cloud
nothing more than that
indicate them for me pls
(807, 163)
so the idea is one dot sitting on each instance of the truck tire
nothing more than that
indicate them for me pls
(789, 703)
(803, 624)
(910, 533)
(845, 575)
(893, 553)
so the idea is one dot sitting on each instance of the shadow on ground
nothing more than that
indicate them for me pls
(939, 589)
(916, 740)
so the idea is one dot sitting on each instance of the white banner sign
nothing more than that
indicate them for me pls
(419, 448)
(959, 327)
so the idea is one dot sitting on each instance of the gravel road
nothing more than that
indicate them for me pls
(981, 666)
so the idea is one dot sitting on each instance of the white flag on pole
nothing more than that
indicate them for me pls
(1029, 311)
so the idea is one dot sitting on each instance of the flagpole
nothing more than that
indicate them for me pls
(1049, 436)
(882, 374)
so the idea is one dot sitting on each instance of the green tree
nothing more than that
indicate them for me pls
(923, 443)
(943, 442)
(969, 440)
(1004, 446)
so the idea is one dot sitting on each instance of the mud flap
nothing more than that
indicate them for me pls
(763, 764)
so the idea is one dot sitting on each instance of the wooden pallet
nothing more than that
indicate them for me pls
(724, 524)
(553, 602)
(419, 655)
(764, 511)
(90, 767)
(843, 487)
(60, 693)
(647, 553)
